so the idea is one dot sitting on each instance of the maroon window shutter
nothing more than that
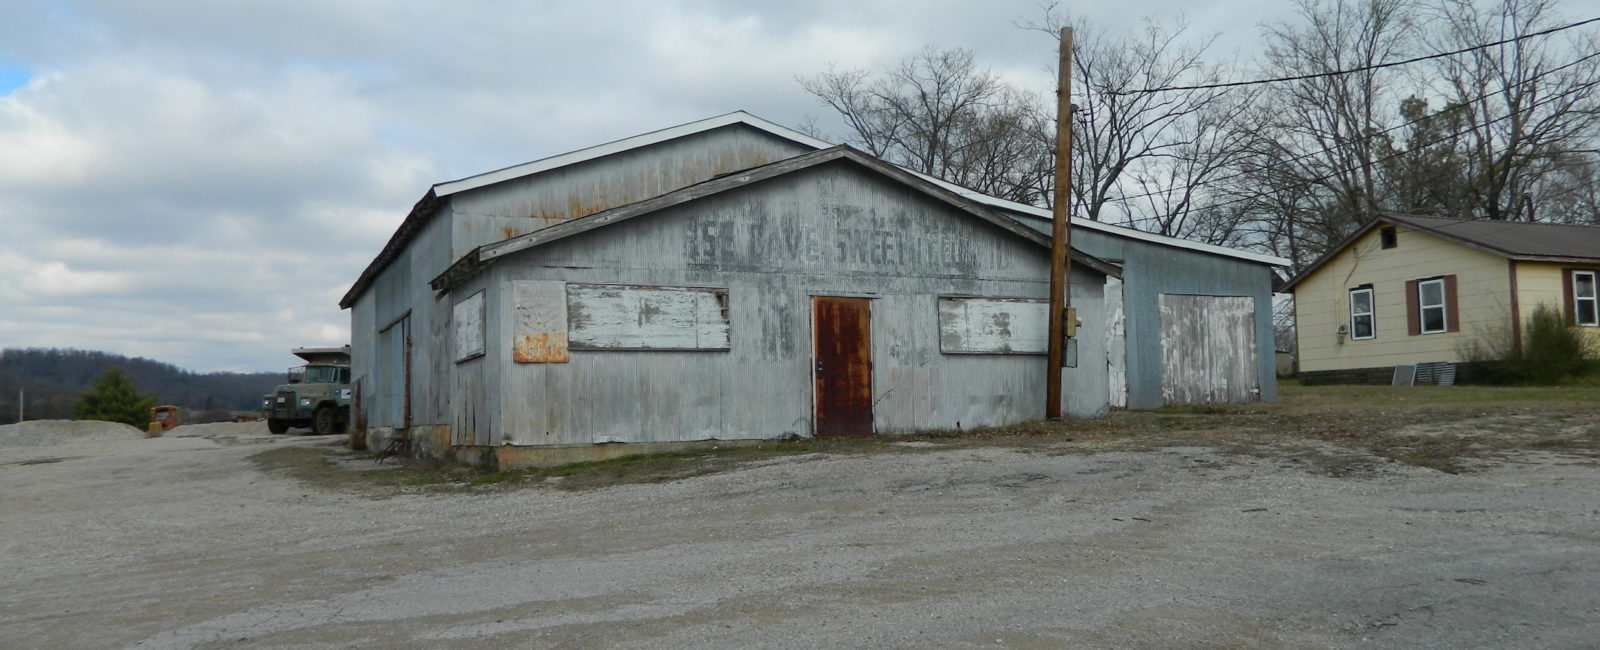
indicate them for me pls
(1452, 314)
(1413, 315)
(1568, 298)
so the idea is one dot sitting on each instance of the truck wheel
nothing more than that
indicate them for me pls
(322, 421)
(277, 426)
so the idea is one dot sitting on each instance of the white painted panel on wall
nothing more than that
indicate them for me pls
(993, 326)
(1116, 345)
(1208, 349)
(624, 317)
(539, 329)
(468, 320)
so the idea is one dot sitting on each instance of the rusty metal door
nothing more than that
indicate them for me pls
(842, 328)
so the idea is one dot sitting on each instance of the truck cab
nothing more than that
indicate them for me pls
(315, 395)
(164, 418)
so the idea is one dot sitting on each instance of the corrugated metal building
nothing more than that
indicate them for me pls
(732, 279)
(1195, 321)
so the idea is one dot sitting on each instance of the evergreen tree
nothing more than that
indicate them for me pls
(115, 398)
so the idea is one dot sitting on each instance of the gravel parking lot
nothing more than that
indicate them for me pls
(1173, 529)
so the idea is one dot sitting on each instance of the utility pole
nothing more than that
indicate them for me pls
(20, 395)
(1060, 233)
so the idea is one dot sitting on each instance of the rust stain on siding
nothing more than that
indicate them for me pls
(543, 347)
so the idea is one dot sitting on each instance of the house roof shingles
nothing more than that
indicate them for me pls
(1513, 239)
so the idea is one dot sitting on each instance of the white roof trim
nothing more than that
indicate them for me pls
(741, 117)
(1120, 231)
(653, 137)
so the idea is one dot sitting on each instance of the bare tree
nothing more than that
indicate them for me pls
(1320, 131)
(938, 113)
(1423, 169)
(1144, 158)
(1529, 107)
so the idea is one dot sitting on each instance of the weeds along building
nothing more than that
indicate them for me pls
(730, 279)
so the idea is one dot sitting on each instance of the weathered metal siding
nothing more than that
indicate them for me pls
(833, 230)
(400, 298)
(472, 400)
(363, 352)
(1150, 270)
(521, 206)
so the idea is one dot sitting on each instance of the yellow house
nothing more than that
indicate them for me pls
(1423, 290)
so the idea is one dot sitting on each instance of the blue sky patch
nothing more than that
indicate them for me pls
(13, 77)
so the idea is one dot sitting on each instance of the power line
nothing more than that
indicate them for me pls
(1369, 136)
(1335, 73)
(1397, 154)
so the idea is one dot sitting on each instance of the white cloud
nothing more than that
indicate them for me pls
(57, 279)
(199, 182)
(36, 149)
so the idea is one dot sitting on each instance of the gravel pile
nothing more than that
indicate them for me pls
(212, 429)
(40, 433)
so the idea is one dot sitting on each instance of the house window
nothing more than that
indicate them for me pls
(1585, 300)
(1387, 236)
(1431, 304)
(1362, 325)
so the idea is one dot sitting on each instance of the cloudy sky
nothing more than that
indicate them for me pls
(198, 182)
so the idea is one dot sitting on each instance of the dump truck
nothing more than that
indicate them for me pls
(163, 419)
(316, 395)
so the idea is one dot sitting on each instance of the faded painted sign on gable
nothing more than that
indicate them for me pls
(993, 326)
(539, 329)
(621, 317)
(468, 319)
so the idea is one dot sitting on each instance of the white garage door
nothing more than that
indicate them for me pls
(1208, 350)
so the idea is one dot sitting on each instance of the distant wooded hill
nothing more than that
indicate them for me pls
(54, 378)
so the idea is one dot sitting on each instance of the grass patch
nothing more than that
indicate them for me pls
(333, 467)
(1334, 430)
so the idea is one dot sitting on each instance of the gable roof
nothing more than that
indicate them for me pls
(1513, 240)
(424, 207)
(1518, 240)
(618, 146)
(482, 256)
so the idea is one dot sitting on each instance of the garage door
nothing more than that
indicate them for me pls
(1208, 350)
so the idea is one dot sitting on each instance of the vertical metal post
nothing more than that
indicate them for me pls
(1061, 231)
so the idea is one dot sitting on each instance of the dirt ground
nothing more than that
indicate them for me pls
(1339, 517)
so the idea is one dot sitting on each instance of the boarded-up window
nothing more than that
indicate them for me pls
(539, 322)
(625, 317)
(993, 326)
(468, 321)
